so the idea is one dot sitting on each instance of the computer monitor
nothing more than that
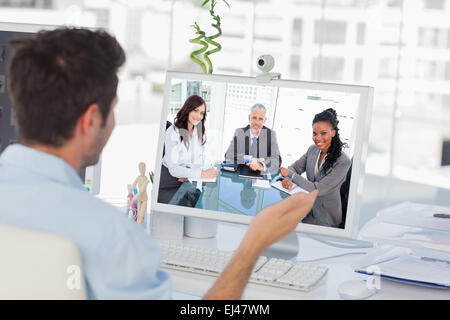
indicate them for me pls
(290, 109)
(90, 175)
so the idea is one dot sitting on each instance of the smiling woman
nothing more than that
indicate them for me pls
(185, 148)
(326, 168)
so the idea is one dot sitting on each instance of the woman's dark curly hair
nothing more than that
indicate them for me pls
(335, 149)
(181, 119)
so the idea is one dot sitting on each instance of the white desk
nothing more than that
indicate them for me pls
(192, 286)
(125, 150)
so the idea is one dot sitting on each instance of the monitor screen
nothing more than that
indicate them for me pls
(230, 146)
(90, 175)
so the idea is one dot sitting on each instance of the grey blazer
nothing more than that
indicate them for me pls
(328, 200)
(267, 147)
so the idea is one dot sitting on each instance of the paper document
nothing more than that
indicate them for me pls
(295, 188)
(414, 268)
(200, 180)
(262, 184)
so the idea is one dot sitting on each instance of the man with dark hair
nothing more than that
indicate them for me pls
(63, 87)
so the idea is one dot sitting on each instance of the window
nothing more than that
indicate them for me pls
(432, 70)
(387, 68)
(446, 101)
(295, 67)
(328, 69)
(44, 4)
(297, 32)
(358, 70)
(360, 33)
(434, 4)
(432, 37)
(445, 153)
(330, 32)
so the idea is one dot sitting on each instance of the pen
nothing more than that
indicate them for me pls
(441, 215)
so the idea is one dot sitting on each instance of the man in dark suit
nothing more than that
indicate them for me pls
(255, 145)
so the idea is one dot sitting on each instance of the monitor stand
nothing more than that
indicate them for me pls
(200, 228)
(166, 226)
(287, 248)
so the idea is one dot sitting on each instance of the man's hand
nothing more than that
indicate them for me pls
(287, 184)
(182, 179)
(270, 225)
(278, 220)
(255, 166)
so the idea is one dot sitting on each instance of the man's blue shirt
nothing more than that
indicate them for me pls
(43, 192)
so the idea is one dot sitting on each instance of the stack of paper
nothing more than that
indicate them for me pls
(417, 242)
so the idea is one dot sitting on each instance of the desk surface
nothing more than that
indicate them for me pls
(230, 193)
(193, 286)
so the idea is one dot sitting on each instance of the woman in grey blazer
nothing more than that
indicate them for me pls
(326, 167)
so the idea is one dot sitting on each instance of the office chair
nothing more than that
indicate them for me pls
(39, 265)
(168, 124)
(344, 196)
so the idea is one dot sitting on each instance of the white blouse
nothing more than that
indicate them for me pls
(183, 162)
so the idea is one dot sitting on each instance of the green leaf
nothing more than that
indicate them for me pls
(226, 3)
(205, 2)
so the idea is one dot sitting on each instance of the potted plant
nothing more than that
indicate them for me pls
(200, 56)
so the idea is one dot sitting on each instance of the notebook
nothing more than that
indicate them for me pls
(246, 172)
(295, 188)
(231, 167)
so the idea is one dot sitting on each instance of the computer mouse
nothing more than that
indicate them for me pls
(355, 290)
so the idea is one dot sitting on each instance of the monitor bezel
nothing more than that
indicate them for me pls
(363, 120)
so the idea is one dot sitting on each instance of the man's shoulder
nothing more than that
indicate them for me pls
(81, 199)
(242, 129)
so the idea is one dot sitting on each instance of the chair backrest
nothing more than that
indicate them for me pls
(168, 124)
(39, 265)
(344, 196)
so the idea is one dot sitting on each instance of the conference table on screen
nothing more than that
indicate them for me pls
(230, 193)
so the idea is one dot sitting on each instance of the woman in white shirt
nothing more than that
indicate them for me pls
(184, 149)
(326, 168)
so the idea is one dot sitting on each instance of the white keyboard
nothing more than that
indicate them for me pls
(273, 272)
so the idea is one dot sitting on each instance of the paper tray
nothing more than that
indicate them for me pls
(428, 243)
(416, 215)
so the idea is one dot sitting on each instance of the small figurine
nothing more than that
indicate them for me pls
(141, 197)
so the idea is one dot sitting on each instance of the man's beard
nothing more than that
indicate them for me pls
(96, 150)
